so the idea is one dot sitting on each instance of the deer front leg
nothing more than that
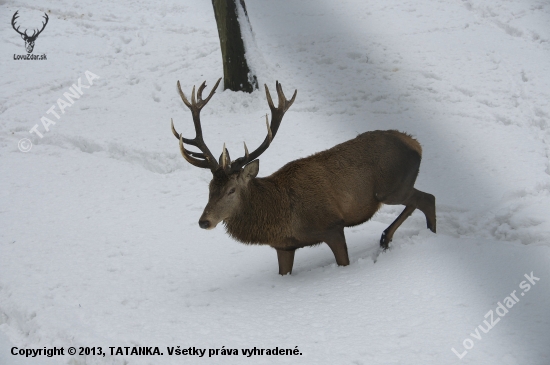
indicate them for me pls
(337, 243)
(286, 260)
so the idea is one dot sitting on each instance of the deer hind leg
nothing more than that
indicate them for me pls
(286, 261)
(418, 199)
(426, 204)
(387, 235)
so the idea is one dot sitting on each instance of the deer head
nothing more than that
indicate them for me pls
(230, 178)
(29, 40)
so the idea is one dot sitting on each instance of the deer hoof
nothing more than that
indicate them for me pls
(431, 226)
(384, 241)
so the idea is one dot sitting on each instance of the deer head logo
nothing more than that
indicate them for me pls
(29, 39)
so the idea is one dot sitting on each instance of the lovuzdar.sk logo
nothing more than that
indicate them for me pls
(29, 39)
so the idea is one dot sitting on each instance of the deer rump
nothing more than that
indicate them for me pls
(309, 200)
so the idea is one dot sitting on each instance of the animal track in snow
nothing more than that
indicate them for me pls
(157, 162)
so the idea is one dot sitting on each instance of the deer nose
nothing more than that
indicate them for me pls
(204, 224)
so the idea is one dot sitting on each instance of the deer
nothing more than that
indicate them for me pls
(29, 39)
(310, 200)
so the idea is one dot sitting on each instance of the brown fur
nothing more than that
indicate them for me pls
(311, 200)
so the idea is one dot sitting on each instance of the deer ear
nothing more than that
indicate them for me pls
(251, 170)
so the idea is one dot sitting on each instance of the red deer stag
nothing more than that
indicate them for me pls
(312, 199)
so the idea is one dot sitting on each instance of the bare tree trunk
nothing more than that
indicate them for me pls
(236, 72)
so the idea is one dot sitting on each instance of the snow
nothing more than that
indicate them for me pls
(99, 241)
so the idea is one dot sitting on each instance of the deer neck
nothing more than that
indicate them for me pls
(263, 216)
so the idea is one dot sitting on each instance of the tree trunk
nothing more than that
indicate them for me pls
(236, 73)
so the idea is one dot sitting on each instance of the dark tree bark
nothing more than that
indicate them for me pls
(236, 73)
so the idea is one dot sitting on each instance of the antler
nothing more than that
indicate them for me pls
(204, 159)
(43, 26)
(277, 114)
(15, 16)
(34, 34)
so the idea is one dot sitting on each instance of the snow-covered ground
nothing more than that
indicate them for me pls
(99, 241)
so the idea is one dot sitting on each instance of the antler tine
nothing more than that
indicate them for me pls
(278, 112)
(246, 154)
(193, 99)
(185, 140)
(43, 24)
(226, 157)
(183, 98)
(276, 118)
(189, 158)
(176, 134)
(204, 159)
(269, 133)
(198, 101)
(203, 102)
(280, 94)
(199, 92)
(289, 103)
(225, 160)
(268, 97)
(13, 19)
(283, 102)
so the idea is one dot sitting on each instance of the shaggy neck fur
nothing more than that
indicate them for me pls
(264, 215)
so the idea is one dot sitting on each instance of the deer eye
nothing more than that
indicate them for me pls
(231, 191)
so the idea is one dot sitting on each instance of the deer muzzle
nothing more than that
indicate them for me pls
(207, 220)
(205, 224)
